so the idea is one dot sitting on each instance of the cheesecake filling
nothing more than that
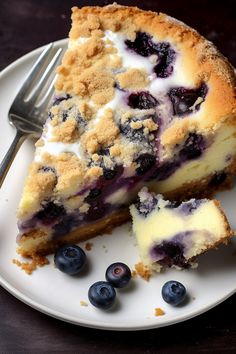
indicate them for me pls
(173, 234)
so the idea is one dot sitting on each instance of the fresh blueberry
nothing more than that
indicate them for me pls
(102, 294)
(173, 292)
(142, 100)
(193, 147)
(182, 99)
(50, 213)
(145, 162)
(118, 274)
(70, 259)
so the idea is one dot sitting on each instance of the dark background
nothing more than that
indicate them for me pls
(26, 25)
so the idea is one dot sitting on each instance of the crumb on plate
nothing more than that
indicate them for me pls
(159, 312)
(143, 271)
(88, 246)
(83, 303)
(29, 267)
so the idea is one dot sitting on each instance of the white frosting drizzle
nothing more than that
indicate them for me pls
(113, 104)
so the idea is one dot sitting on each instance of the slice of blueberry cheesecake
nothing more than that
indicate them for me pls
(173, 234)
(141, 99)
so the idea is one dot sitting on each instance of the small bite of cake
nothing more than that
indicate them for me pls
(173, 234)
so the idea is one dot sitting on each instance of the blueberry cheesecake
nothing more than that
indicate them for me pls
(141, 99)
(173, 234)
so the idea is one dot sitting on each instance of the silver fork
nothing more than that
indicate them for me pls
(29, 108)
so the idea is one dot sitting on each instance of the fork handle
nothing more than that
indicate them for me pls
(11, 153)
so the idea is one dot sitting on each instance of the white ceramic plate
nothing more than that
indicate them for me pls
(58, 295)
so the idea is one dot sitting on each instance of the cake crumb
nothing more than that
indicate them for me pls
(29, 267)
(83, 303)
(159, 312)
(143, 271)
(88, 246)
(134, 274)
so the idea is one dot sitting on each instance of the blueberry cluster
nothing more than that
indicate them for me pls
(144, 46)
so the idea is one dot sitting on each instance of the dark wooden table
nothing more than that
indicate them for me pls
(28, 24)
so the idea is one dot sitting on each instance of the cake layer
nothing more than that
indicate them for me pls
(141, 100)
(173, 233)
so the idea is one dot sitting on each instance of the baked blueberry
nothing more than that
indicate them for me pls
(166, 56)
(102, 294)
(183, 99)
(50, 213)
(142, 45)
(142, 100)
(193, 147)
(145, 162)
(118, 274)
(170, 253)
(109, 174)
(173, 292)
(70, 259)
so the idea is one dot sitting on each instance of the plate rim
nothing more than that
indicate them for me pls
(119, 326)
